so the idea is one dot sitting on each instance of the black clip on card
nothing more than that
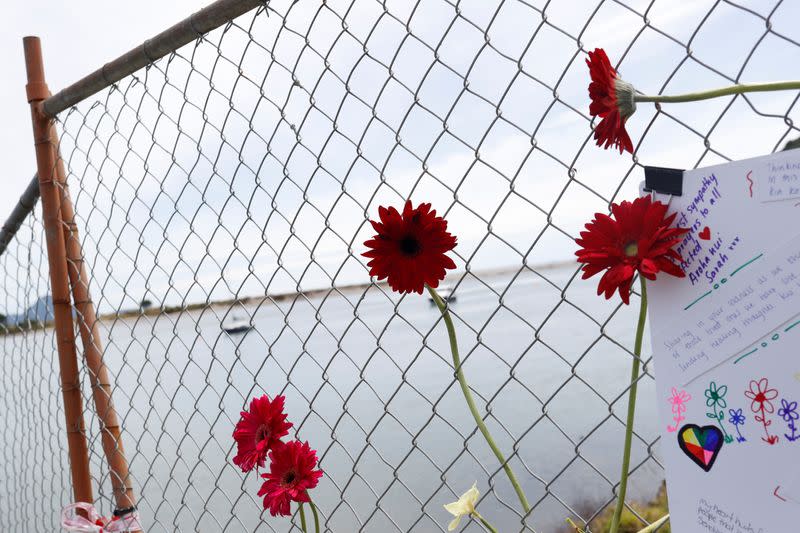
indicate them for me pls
(663, 180)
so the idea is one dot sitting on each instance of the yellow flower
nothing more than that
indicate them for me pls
(465, 506)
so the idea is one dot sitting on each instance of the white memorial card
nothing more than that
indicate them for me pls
(726, 346)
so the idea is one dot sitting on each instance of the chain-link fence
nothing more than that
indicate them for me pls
(234, 179)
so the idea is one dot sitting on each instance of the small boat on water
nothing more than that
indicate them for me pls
(236, 324)
(446, 292)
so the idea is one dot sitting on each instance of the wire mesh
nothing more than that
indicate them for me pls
(235, 178)
(35, 469)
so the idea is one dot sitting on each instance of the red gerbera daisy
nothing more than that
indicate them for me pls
(638, 237)
(291, 473)
(612, 100)
(259, 430)
(409, 249)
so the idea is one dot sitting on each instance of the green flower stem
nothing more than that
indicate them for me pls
(649, 529)
(655, 525)
(451, 332)
(626, 454)
(314, 512)
(302, 518)
(574, 526)
(722, 91)
(720, 417)
(486, 524)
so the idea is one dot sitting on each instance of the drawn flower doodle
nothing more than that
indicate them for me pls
(715, 400)
(678, 401)
(761, 396)
(788, 412)
(715, 396)
(737, 419)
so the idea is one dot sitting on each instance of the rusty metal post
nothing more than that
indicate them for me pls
(59, 279)
(110, 430)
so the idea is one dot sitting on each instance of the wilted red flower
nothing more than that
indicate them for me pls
(291, 473)
(638, 237)
(259, 430)
(409, 249)
(612, 100)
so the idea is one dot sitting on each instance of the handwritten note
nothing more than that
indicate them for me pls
(725, 349)
(738, 310)
(717, 520)
(779, 177)
(704, 252)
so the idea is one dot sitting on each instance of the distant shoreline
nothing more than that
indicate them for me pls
(34, 325)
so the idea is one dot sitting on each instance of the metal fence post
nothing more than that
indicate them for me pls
(110, 430)
(37, 91)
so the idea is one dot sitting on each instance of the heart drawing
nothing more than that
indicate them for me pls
(705, 234)
(701, 444)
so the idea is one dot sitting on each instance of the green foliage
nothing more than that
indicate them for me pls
(650, 511)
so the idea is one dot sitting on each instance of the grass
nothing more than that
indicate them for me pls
(650, 511)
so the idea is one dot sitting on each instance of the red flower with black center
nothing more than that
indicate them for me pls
(291, 474)
(259, 430)
(409, 248)
(637, 237)
(612, 100)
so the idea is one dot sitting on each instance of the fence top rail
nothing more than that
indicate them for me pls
(21, 211)
(207, 19)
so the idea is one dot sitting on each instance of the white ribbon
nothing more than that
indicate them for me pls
(75, 523)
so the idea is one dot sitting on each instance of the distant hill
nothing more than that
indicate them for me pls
(40, 311)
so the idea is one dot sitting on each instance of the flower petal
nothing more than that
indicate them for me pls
(637, 237)
(409, 249)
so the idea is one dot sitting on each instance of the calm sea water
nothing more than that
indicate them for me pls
(369, 383)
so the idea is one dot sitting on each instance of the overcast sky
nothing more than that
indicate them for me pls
(262, 181)
(77, 38)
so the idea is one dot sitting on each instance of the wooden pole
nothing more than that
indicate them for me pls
(37, 91)
(110, 430)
